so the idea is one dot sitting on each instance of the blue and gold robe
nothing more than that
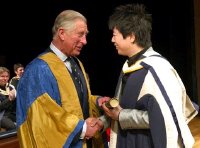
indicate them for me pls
(49, 113)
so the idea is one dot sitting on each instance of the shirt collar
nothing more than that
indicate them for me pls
(60, 55)
(136, 57)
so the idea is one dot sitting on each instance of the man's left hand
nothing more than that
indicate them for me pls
(112, 113)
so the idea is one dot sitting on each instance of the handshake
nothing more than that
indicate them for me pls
(93, 125)
(111, 108)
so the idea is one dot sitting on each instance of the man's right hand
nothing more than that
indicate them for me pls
(93, 125)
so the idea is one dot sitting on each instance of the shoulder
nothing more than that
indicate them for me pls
(36, 70)
(36, 64)
(14, 78)
(156, 60)
(158, 65)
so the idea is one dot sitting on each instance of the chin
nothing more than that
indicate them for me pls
(119, 53)
(76, 54)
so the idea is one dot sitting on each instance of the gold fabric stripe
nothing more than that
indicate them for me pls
(66, 86)
(134, 67)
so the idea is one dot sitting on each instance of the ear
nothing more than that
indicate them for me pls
(132, 38)
(61, 33)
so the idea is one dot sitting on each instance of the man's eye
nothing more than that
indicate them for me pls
(82, 35)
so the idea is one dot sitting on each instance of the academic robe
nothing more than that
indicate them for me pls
(49, 113)
(156, 108)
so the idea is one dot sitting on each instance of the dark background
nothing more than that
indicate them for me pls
(26, 32)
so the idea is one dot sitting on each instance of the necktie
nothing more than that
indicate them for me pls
(79, 83)
(75, 73)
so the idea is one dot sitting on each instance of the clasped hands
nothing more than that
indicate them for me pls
(93, 125)
(12, 95)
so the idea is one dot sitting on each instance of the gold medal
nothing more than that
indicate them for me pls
(112, 103)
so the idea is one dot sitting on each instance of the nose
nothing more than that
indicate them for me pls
(112, 40)
(84, 40)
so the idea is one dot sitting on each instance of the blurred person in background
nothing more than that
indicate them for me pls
(7, 98)
(19, 70)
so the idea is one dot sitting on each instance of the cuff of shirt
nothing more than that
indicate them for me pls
(83, 131)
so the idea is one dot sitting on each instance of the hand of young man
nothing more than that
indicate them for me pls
(112, 113)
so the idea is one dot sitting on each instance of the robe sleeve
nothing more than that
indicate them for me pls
(133, 119)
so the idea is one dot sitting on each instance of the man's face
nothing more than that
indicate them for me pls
(75, 39)
(19, 71)
(124, 46)
(4, 77)
(120, 43)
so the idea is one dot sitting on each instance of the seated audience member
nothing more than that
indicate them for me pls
(19, 70)
(7, 101)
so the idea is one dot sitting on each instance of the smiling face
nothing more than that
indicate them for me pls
(73, 40)
(123, 45)
(19, 71)
(4, 77)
